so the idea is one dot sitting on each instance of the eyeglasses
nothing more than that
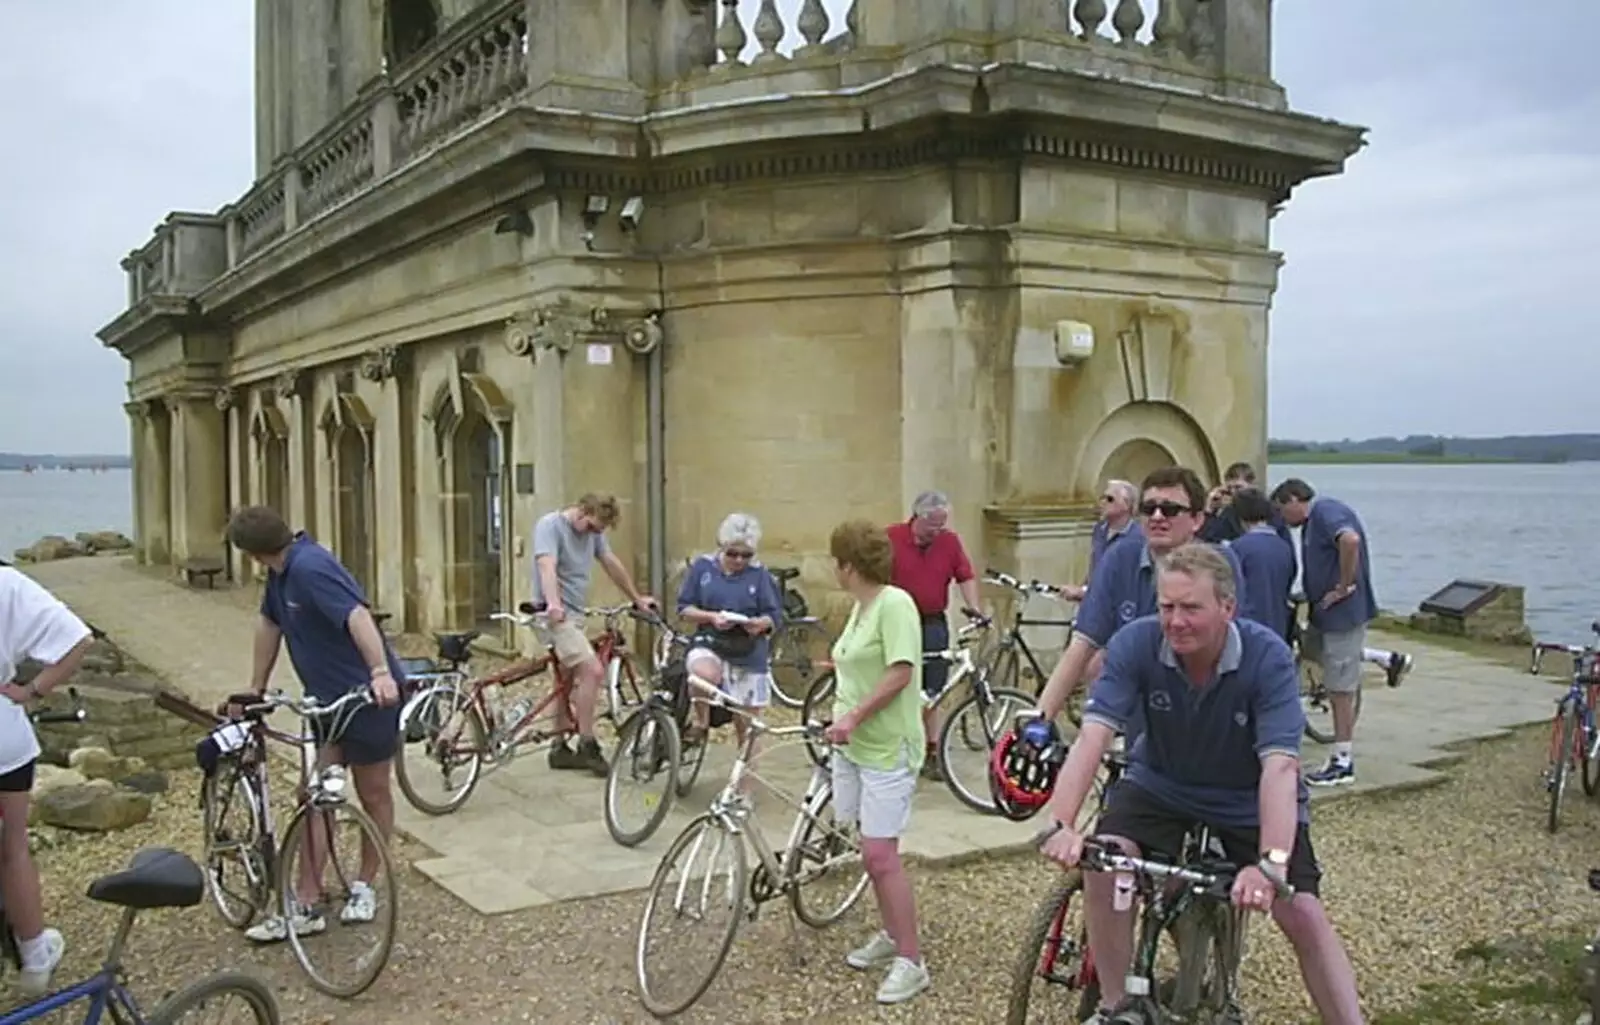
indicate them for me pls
(1108, 498)
(1166, 509)
(735, 553)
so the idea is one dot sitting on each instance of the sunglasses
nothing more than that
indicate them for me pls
(1166, 509)
(734, 553)
(1108, 498)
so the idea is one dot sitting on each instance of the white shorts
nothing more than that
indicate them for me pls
(878, 801)
(744, 687)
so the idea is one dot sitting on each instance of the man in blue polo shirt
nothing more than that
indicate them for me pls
(1267, 561)
(314, 606)
(1171, 510)
(1222, 520)
(1220, 747)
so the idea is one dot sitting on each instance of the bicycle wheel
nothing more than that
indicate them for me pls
(818, 707)
(624, 696)
(648, 752)
(1589, 741)
(982, 715)
(1053, 978)
(825, 863)
(677, 899)
(220, 989)
(438, 770)
(341, 833)
(238, 854)
(1564, 730)
(793, 664)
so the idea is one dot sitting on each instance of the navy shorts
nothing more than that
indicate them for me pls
(935, 637)
(18, 780)
(1135, 814)
(371, 735)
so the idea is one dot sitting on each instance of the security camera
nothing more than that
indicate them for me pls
(632, 211)
(594, 207)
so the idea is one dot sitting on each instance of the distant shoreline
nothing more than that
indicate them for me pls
(1292, 458)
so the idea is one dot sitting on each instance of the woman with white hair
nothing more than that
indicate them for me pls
(733, 602)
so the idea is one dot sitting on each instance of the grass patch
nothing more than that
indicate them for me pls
(1513, 978)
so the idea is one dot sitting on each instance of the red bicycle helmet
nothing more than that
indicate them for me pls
(1023, 767)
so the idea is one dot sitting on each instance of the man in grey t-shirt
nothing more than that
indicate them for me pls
(566, 545)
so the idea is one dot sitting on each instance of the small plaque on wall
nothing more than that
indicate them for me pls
(524, 481)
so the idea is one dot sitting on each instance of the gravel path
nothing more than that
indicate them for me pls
(1413, 880)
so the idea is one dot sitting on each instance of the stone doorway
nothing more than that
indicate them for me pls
(473, 431)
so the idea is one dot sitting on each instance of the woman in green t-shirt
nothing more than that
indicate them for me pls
(878, 743)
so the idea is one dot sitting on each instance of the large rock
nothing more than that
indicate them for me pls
(51, 777)
(52, 547)
(98, 763)
(98, 806)
(104, 541)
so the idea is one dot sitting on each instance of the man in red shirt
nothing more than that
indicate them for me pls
(927, 557)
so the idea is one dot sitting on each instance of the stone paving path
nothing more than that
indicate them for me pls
(531, 836)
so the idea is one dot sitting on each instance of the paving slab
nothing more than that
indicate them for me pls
(530, 836)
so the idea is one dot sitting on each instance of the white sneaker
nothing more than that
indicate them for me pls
(36, 975)
(273, 930)
(905, 980)
(361, 906)
(875, 953)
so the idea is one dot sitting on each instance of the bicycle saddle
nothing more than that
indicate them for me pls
(157, 877)
(456, 647)
(784, 573)
(529, 608)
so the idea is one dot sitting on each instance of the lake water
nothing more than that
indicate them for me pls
(1428, 525)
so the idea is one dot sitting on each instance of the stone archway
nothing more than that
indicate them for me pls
(471, 418)
(269, 432)
(348, 427)
(1142, 436)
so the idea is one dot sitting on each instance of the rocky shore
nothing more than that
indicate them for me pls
(54, 546)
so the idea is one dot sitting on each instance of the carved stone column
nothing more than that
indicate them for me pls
(199, 478)
(137, 426)
(394, 484)
(155, 483)
(227, 401)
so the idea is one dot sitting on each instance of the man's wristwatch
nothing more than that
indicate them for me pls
(1274, 862)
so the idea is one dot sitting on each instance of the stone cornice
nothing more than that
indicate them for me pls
(146, 321)
(1041, 522)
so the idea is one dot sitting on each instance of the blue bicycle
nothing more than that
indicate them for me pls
(157, 877)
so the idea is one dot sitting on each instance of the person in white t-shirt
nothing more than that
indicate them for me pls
(33, 624)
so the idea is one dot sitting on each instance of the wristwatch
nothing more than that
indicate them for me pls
(1275, 859)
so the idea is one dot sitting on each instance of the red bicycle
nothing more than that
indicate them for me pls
(452, 728)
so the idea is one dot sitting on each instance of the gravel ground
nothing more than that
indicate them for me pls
(1413, 880)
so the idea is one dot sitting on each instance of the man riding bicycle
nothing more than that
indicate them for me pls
(1220, 747)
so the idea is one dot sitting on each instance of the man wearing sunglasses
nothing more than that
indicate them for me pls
(1172, 509)
(1119, 501)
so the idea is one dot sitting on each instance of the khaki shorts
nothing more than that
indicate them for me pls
(1338, 655)
(876, 800)
(572, 647)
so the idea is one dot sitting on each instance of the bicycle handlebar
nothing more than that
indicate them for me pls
(999, 579)
(308, 707)
(530, 615)
(75, 714)
(1100, 856)
(711, 695)
(1539, 648)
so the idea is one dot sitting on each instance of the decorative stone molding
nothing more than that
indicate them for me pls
(224, 398)
(382, 363)
(1041, 522)
(139, 409)
(561, 325)
(1148, 349)
(288, 383)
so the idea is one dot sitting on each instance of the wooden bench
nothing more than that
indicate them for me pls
(207, 569)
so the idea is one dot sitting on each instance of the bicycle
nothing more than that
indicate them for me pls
(1052, 951)
(268, 868)
(156, 877)
(793, 668)
(495, 732)
(816, 850)
(960, 736)
(1574, 732)
(1006, 668)
(650, 745)
(1191, 900)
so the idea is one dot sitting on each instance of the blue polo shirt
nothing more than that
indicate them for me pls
(1101, 538)
(1319, 565)
(1200, 750)
(1268, 564)
(311, 601)
(1123, 588)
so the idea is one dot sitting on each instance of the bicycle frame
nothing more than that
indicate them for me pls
(104, 989)
(1012, 639)
(961, 662)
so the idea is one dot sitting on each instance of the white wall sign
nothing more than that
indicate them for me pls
(600, 354)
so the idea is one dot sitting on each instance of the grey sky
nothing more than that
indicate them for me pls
(1441, 285)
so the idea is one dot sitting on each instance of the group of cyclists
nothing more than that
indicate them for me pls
(1185, 642)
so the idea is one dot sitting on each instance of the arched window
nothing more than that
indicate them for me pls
(408, 27)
